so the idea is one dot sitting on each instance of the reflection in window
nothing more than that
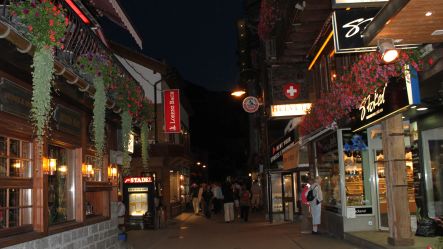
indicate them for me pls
(15, 208)
(357, 173)
(15, 158)
(277, 200)
(60, 196)
(436, 156)
(328, 169)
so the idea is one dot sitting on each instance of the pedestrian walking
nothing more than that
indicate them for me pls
(218, 197)
(207, 198)
(237, 189)
(316, 204)
(305, 208)
(228, 201)
(245, 202)
(200, 194)
(194, 194)
(256, 195)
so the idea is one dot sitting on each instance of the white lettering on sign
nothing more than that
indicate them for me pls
(355, 26)
(146, 179)
(368, 107)
(291, 91)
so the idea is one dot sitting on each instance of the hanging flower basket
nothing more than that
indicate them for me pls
(364, 76)
(268, 18)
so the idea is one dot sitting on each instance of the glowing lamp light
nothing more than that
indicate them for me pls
(52, 165)
(238, 93)
(387, 50)
(63, 169)
(77, 11)
(16, 165)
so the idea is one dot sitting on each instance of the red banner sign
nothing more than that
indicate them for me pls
(172, 110)
(145, 179)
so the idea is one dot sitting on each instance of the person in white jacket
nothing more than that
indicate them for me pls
(316, 204)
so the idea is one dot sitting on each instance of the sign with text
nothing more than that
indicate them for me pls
(281, 146)
(131, 180)
(359, 3)
(290, 110)
(172, 110)
(395, 96)
(14, 99)
(67, 120)
(348, 25)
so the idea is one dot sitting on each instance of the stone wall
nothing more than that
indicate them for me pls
(97, 236)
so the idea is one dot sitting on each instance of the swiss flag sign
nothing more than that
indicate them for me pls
(291, 90)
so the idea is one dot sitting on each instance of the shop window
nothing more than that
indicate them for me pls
(15, 158)
(174, 185)
(277, 198)
(60, 185)
(433, 162)
(328, 169)
(357, 169)
(15, 208)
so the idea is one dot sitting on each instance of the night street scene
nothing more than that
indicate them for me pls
(221, 124)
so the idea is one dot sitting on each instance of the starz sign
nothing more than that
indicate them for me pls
(131, 180)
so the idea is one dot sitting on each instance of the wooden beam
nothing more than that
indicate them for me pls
(399, 220)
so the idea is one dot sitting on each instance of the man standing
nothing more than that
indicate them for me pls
(256, 195)
(218, 196)
(228, 200)
(195, 201)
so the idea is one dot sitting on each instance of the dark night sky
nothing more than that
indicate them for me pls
(197, 37)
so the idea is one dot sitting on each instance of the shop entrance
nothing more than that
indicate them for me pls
(375, 138)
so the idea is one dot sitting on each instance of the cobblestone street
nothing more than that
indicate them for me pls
(197, 232)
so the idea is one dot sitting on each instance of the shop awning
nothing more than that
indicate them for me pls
(113, 10)
(407, 22)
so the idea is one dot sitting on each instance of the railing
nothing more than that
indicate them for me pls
(79, 39)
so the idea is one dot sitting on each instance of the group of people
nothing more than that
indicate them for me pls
(234, 197)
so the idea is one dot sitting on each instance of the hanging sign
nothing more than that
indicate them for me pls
(251, 104)
(291, 90)
(172, 110)
(348, 25)
(14, 99)
(394, 97)
(67, 120)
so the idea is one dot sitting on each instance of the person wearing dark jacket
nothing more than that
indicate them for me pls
(207, 198)
(228, 200)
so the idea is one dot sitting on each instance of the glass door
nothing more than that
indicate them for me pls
(433, 162)
(288, 196)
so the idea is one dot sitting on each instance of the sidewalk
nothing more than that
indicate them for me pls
(189, 231)
(379, 240)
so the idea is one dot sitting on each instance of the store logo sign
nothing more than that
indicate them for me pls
(146, 179)
(372, 104)
(290, 110)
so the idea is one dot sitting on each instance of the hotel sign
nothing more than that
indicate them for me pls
(394, 97)
(14, 99)
(290, 110)
(172, 111)
(131, 180)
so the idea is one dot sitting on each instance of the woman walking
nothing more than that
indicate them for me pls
(316, 204)
(245, 202)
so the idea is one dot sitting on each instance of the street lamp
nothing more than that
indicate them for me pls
(238, 92)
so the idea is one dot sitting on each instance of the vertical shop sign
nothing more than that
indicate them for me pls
(172, 110)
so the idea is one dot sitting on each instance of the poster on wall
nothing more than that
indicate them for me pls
(172, 110)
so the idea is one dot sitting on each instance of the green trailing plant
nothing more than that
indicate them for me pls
(145, 145)
(126, 130)
(99, 117)
(42, 77)
(45, 26)
(98, 67)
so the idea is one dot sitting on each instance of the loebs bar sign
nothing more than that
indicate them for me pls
(146, 179)
(394, 97)
(172, 111)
